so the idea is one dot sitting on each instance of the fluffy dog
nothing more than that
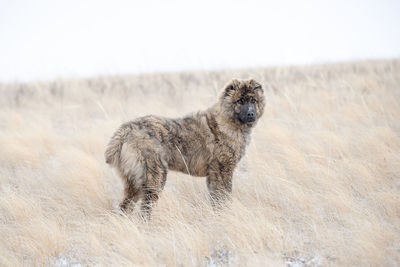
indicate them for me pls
(209, 143)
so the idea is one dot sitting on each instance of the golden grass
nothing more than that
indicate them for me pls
(320, 184)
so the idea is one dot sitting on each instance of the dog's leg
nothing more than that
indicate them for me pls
(156, 171)
(219, 185)
(131, 169)
(150, 198)
(132, 195)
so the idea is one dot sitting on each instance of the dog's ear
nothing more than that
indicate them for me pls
(231, 86)
(256, 85)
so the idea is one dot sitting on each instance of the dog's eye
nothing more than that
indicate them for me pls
(253, 100)
(240, 101)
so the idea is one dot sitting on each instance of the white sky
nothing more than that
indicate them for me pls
(49, 39)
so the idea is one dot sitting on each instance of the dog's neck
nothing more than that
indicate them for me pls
(229, 127)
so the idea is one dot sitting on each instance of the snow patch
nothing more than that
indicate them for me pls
(303, 261)
(64, 261)
(221, 256)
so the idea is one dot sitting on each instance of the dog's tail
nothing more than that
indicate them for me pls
(114, 147)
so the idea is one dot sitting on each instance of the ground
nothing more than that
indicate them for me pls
(319, 185)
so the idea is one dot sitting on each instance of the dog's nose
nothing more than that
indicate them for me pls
(251, 116)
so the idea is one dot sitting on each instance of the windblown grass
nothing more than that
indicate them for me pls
(320, 184)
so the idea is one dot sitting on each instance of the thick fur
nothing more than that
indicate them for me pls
(209, 143)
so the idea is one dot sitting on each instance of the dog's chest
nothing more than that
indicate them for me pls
(229, 151)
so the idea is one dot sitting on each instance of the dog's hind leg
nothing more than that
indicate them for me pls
(132, 195)
(132, 172)
(156, 171)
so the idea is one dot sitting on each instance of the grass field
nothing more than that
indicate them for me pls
(319, 185)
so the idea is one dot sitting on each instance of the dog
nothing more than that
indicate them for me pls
(208, 144)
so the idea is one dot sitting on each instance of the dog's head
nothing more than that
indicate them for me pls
(242, 102)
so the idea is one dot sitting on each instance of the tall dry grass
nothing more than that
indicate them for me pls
(320, 184)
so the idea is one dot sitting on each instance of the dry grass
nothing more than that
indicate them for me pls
(320, 184)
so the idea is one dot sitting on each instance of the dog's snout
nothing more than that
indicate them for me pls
(251, 113)
(248, 113)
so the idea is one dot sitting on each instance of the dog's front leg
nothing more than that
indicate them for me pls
(219, 185)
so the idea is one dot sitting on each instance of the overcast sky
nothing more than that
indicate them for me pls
(42, 40)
